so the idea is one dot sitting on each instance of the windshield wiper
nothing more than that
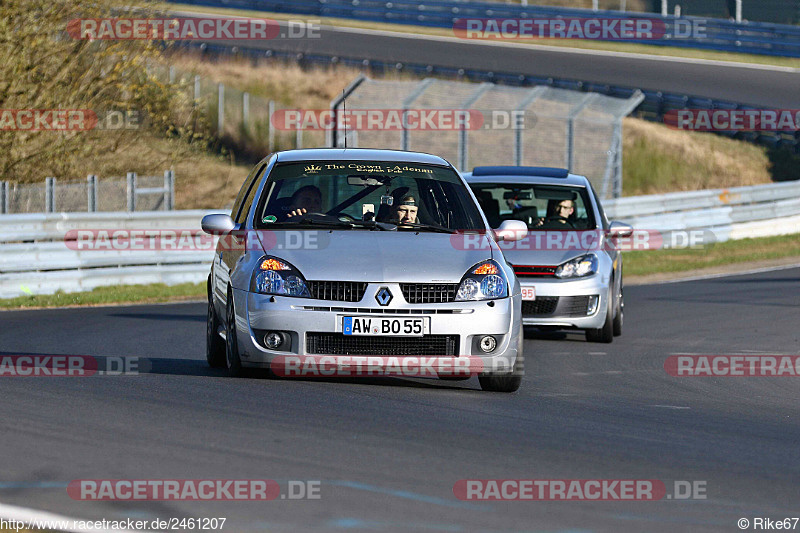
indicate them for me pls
(325, 220)
(429, 227)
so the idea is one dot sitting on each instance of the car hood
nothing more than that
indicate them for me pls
(536, 249)
(386, 256)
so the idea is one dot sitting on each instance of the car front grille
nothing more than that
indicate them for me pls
(542, 306)
(534, 271)
(554, 307)
(429, 293)
(340, 291)
(340, 344)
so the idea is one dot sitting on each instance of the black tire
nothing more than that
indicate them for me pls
(506, 382)
(232, 360)
(606, 333)
(215, 346)
(619, 316)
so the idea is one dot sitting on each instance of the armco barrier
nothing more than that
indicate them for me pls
(723, 35)
(35, 258)
(735, 213)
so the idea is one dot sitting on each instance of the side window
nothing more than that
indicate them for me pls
(603, 218)
(248, 182)
(252, 187)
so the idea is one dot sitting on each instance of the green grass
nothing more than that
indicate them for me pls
(634, 48)
(118, 294)
(724, 253)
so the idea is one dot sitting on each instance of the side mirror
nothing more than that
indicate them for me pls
(511, 230)
(217, 224)
(620, 229)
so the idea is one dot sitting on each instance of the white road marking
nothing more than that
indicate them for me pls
(669, 406)
(26, 515)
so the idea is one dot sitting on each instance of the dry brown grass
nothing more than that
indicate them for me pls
(658, 159)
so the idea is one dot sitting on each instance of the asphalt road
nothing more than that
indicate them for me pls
(774, 87)
(388, 451)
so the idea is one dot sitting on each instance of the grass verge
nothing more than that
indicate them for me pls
(729, 253)
(118, 294)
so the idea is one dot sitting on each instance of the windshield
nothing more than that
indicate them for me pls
(541, 207)
(408, 195)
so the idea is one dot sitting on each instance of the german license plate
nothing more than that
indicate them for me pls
(528, 293)
(385, 326)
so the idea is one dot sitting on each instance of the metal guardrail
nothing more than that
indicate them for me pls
(36, 258)
(735, 213)
(723, 35)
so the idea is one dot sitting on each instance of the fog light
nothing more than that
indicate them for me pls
(488, 343)
(273, 340)
(592, 307)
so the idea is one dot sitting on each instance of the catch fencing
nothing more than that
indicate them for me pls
(131, 193)
(523, 126)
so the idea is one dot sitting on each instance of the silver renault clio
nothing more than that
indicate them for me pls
(348, 253)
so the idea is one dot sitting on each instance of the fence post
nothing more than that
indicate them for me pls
(535, 93)
(131, 189)
(91, 191)
(50, 195)
(4, 198)
(245, 109)
(664, 8)
(571, 127)
(220, 108)
(169, 186)
(197, 88)
(298, 138)
(739, 11)
(171, 74)
(595, 7)
(271, 129)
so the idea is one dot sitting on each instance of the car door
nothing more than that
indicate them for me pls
(231, 246)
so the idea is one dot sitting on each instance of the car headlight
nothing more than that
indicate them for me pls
(585, 265)
(484, 281)
(274, 276)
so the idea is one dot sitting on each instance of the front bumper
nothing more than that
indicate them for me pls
(566, 302)
(462, 323)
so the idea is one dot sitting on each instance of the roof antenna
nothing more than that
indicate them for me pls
(344, 111)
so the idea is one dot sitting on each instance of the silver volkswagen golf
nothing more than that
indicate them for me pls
(342, 256)
(569, 268)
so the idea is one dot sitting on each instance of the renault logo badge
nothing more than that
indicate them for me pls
(383, 296)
